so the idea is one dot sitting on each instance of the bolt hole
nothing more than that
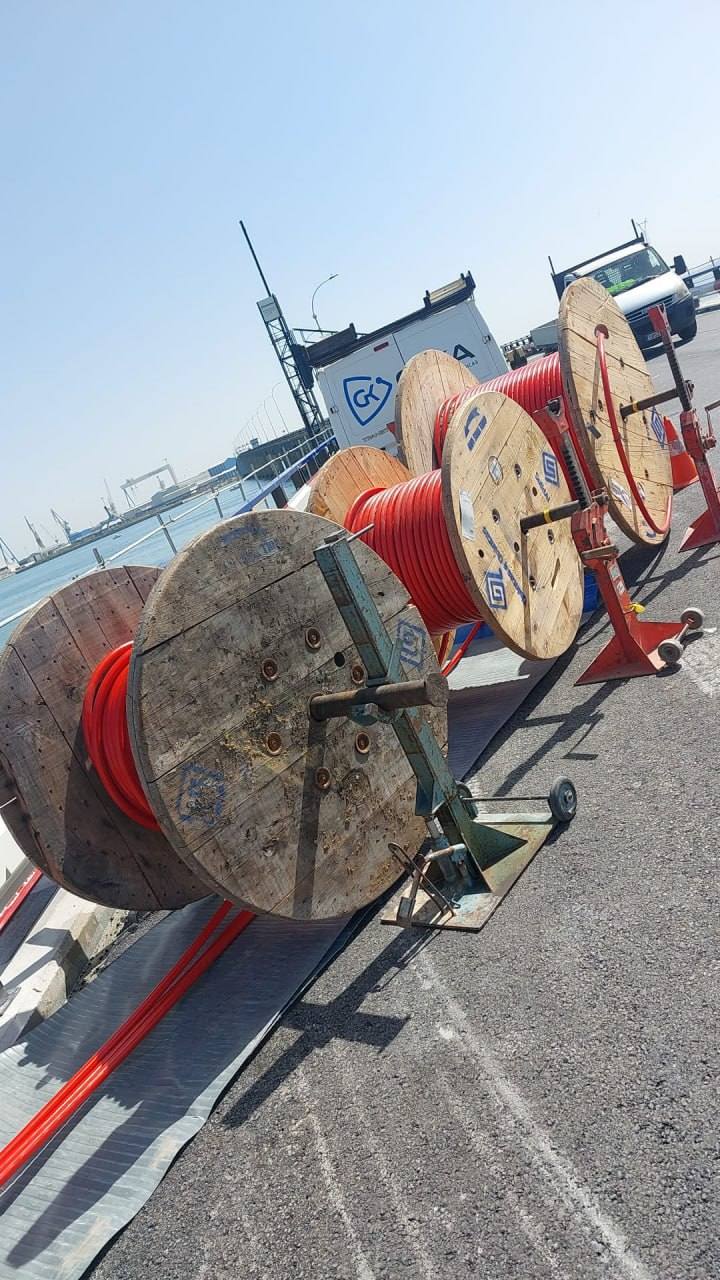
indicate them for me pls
(533, 583)
(516, 548)
(647, 475)
(273, 742)
(339, 659)
(362, 744)
(481, 553)
(518, 470)
(551, 535)
(534, 492)
(496, 516)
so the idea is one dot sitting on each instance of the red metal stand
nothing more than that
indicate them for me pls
(704, 530)
(633, 649)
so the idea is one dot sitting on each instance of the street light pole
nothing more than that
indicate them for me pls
(312, 300)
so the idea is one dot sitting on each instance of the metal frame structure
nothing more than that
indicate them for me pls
(288, 351)
(475, 855)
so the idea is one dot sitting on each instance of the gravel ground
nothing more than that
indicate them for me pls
(536, 1102)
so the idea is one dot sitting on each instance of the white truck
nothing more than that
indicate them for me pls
(637, 277)
(358, 373)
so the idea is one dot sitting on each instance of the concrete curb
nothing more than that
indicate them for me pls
(44, 969)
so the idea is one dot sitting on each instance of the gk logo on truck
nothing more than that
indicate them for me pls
(366, 396)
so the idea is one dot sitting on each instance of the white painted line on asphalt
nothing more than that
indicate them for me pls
(362, 1267)
(701, 660)
(411, 1227)
(557, 1167)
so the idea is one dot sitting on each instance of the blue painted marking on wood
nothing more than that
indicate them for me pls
(412, 642)
(202, 795)
(473, 435)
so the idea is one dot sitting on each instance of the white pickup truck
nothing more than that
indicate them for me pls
(638, 278)
(358, 373)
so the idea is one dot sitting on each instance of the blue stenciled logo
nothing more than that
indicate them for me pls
(472, 432)
(412, 644)
(495, 588)
(366, 396)
(550, 468)
(658, 427)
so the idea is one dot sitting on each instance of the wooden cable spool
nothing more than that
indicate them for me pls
(585, 306)
(62, 818)
(528, 588)
(266, 805)
(427, 381)
(430, 378)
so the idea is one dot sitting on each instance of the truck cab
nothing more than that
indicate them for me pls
(638, 278)
(358, 373)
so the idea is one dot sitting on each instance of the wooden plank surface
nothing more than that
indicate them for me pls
(584, 306)
(497, 467)
(63, 819)
(230, 758)
(426, 382)
(349, 473)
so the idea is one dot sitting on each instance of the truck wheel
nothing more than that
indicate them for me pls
(689, 332)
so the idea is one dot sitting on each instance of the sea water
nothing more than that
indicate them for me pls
(23, 589)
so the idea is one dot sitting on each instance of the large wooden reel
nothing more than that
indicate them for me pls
(349, 473)
(496, 468)
(61, 816)
(427, 381)
(585, 305)
(275, 810)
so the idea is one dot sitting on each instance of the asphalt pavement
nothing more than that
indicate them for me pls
(536, 1102)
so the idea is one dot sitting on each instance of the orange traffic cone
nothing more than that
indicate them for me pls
(684, 471)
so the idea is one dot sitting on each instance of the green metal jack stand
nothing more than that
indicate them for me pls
(474, 853)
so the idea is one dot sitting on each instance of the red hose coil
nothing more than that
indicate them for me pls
(104, 724)
(531, 387)
(410, 534)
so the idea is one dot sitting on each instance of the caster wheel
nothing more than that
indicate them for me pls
(670, 651)
(692, 618)
(562, 800)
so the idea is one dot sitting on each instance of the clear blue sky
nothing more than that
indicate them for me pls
(394, 143)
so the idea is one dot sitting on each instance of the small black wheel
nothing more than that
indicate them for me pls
(670, 652)
(562, 800)
(692, 618)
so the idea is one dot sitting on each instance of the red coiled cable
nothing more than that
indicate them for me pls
(531, 387)
(104, 724)
(410, 534)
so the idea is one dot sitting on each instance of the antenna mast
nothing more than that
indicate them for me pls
(298, 373)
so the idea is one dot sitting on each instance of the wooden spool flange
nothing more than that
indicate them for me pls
(277, 811)
(62, 817)
(426, 382)
(497, 467)
(349, 473)
(478, 481)
(344, 477)
(584, 306)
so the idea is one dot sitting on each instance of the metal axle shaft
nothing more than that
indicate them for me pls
(430, 692)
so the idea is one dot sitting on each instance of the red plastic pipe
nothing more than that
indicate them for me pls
(65, 1103)
(18, 898)
(410, 534)
(104, 724)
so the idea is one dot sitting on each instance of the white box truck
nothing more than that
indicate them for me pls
(358, 373)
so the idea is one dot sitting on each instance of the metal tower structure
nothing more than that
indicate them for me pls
(293, 361)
